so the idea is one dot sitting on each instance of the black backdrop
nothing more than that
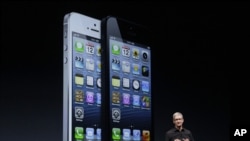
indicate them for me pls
(190, 66)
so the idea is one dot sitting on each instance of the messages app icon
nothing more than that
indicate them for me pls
(79, 46)
(115, 49)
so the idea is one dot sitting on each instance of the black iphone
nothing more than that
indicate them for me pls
(126, 81)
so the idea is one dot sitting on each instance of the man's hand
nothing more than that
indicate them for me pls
(185, 139)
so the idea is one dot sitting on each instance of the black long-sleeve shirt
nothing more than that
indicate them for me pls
(174, 133)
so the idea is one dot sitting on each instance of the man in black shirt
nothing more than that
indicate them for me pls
(178, 133)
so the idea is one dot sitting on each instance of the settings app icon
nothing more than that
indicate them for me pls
(116, 114)
(79, 112)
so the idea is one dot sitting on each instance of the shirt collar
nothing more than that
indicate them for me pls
(176, 130)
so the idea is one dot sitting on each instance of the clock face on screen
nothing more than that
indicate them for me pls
(98, 82)
(136, 84)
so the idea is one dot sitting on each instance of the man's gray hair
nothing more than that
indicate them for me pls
(177, 114)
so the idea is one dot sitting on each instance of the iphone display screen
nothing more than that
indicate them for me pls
(130, 89)
(86, 87)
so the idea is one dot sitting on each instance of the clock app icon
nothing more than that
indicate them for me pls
(98, 82)
(136, 84)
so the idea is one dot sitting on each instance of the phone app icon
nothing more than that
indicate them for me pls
(115, 97)
(145, 101)
(136, 135)
(98, 50)
(136, 68)
(79, 112)
(145, 135)
(79, 62)
(115, 49)
(98, 82)
(126, 134)
(126, 51)
(136, 84)
(145, 56)
(145, 86)
(136, 100)
(90, 81)
(79, 47)
(79, 79)
(89, 133)
(116, 114)
(116, 81)
(98, 133)
(145, 70)
(90, 64)
(79, 133)
(98, 98)
(116, 133)
(115, 64)
(135, 53)
(126, 98)
(79, 96)
(125, 66)
(98, 64)
(125, 83)
(90, 97)
(90, 48)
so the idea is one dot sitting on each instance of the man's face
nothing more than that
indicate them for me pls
(178, 120)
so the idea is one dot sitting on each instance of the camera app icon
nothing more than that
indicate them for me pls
(145, 56)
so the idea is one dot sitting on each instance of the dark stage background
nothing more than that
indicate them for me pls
(190, 72)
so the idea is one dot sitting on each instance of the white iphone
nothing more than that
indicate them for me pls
(82, 78)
